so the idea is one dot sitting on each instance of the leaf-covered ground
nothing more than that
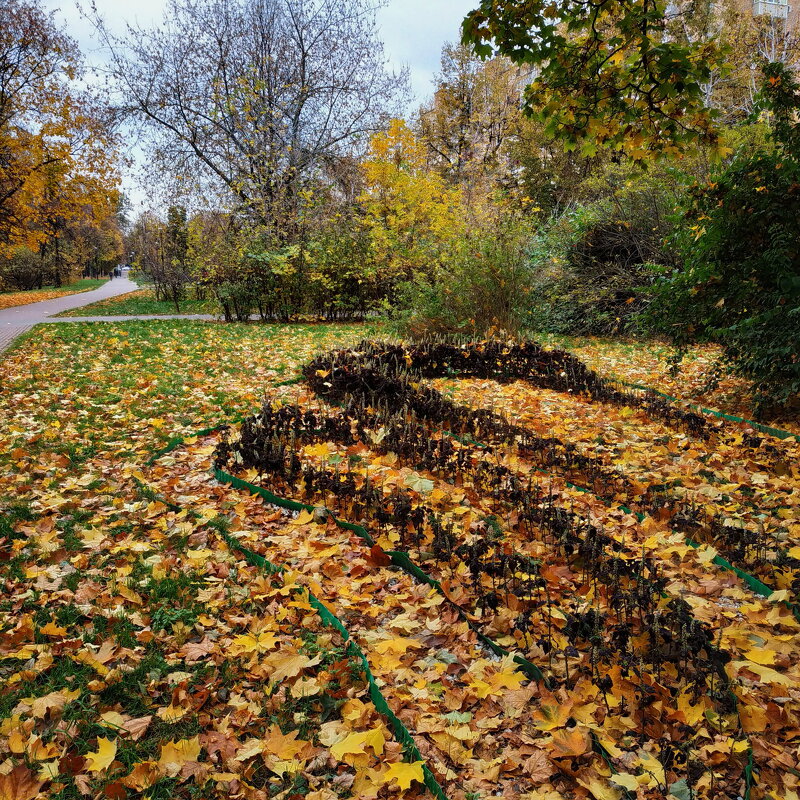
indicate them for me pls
(142, 656)
(12, 299)
(650, 364)
(142, 301)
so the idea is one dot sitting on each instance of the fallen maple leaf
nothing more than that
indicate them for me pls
(19, 784)
(289, 665)
(599, 789)
(396, 645)
(143, 776)
(569, 742)
(404, 773)
(252, 643)
(356, 743)
(54, 701)
(172, 712)
(538, 766)
(175, 754)
(286, 747)
(100, 759)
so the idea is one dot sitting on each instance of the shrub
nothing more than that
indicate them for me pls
(23, 269)
(593, 262)
(739, 283)
(484, 285)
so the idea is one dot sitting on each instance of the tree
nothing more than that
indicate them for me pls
(56, 144)
(749, 40)
(160, 251)
(606, 72)
(474, 113)
(254, 97)
(410, 211)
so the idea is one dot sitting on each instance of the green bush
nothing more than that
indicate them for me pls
(485, 285)
(739, 283)
(593, 263)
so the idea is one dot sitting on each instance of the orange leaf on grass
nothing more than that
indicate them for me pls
(570, 742)
(19, 784)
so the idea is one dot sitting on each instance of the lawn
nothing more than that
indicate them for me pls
(145, 654)
(11, 299)
(139, 302)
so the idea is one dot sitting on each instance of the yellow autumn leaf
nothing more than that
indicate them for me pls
(356, 743)
(85, 657)
(653, 767)
(599, 789)
(763, 656)
(99, 760)
(175, 754)
(199, 556)
(172, 713)
(51, 629)
(285, 747)
(693, 712)
(113, 718)
(740, 746)
(706, 554)
(754, 718)
(550, 714)
(397, 645)
(320, 450)
(509, 678)
(625, 780)
(252, 643)
(289, 665)
(481, 688)
(404, 773)
(291, 767)
(306, 687)
(766, 674)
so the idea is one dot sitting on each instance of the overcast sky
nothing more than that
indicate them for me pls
(413, 33)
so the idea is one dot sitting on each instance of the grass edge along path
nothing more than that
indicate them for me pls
(142, 302)
(52, 293)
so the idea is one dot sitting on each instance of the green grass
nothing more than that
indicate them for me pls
(142, 301)
(86, 390)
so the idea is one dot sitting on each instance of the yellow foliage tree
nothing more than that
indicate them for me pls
(57, 158)
(412, 216)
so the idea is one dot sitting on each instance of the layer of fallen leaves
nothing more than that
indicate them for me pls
(738, 490)
(651, 364)
(13, 299)
(139, 654)
(745, 626)
(88, 550)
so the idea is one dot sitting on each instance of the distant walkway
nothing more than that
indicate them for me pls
(18, 319)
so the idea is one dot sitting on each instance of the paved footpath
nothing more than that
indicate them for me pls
(15, 321)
